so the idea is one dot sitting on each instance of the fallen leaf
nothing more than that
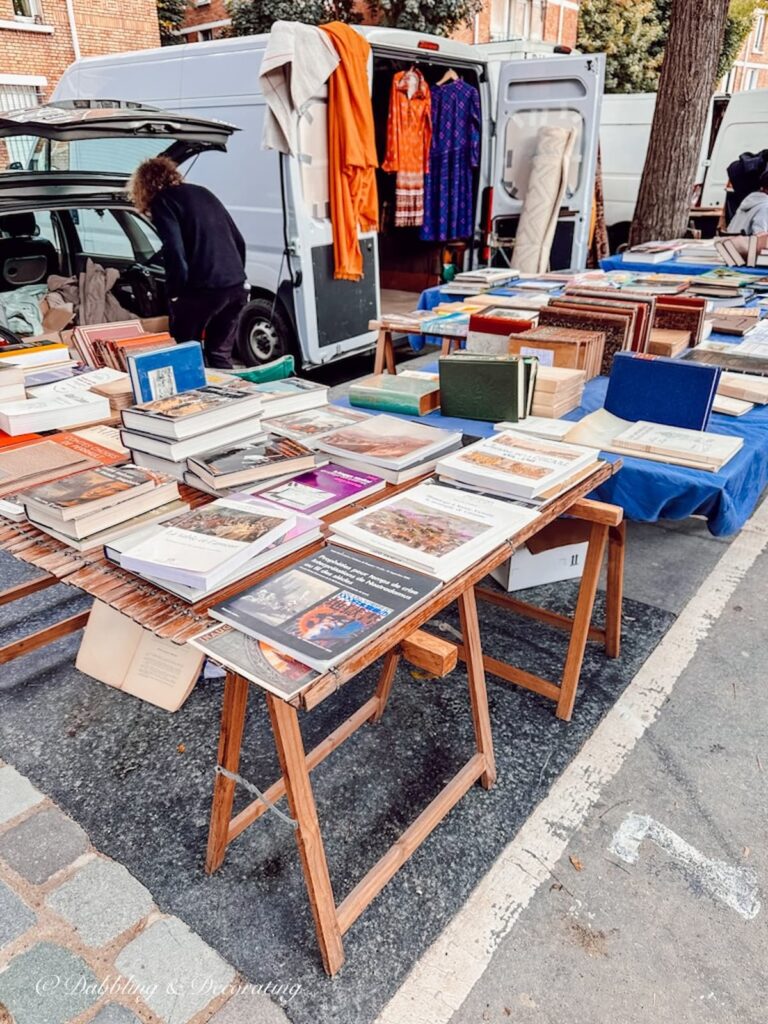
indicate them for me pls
(507, 1012)
(577, 865)
(746, 851)
(556, 887)
(182, 747)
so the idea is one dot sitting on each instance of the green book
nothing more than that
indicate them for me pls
(388, 392)
(484, 387)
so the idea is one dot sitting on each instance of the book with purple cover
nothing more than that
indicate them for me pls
(322, 491)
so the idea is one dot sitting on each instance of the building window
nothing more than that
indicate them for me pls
(751, 78)
(29, 9)
(759, 34)
(204, 35)
(18, 150)
(516, 19)
(730, 80)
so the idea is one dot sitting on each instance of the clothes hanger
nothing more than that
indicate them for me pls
(449, 76)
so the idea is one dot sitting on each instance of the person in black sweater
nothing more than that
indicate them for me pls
(203, 253)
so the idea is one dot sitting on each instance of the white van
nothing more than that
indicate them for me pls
(296, 305)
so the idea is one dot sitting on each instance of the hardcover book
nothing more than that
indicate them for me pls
(433, 528)
(394, 393)
(658, 390)
(167, 371)
(54, 412)
(195, 412)
(322, 491)
(251, 461)
(82, 494)
(294, 394)
(485, 387)
(325, 607)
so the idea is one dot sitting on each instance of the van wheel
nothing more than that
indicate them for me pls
(264, 333)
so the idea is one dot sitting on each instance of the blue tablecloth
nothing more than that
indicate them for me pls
(673, 267)
(649, 491)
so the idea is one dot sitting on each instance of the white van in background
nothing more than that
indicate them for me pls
(735, 124)
(296, 305)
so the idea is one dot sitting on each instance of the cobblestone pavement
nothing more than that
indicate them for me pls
(82, 942)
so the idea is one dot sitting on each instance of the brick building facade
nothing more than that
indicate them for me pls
(549, 21)
(750, 70)
(39, 39)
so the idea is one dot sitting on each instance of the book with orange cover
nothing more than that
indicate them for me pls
(115, 353)
(85, 336)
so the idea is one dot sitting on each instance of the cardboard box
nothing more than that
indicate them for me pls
(556, 553)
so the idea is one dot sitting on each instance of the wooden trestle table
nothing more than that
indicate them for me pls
(172, 618)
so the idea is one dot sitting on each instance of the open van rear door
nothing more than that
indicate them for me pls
(562, 91)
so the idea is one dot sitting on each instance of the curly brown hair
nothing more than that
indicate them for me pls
(150, 178)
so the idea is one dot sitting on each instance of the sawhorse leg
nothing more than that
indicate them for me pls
(230, 743)
(385, 353)
(614, 591)
(301, 801)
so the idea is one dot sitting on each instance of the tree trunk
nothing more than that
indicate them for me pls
(686, 84)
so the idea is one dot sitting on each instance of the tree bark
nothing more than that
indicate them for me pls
(686, 85)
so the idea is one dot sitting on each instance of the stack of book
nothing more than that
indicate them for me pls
(208, 547)
(622, 321)
(12, 387)
(558, 391)
(244, 464)
(651, 252)
(292, 395)
(668, 343)
(53, 412)
(388, 392)
(517, 465)
(396, 450)
(701, 251)
(163, 434)
(36, 460)
(734, 321)
(680, 313)
(325, 607)
(88, 508)
(29, 355)
(722, 283)
(696, 449)
(489, 330)
(562, 346)
(483, 278)
(118, 393)
(437, 529)
(745, 387)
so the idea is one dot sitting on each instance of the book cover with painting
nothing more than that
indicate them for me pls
(257, 459)
(255, 661)
(168, 371)
(327, 606)
(322, 491)
(203, 547)
(310, 424)
(193, 412)
(389, 442)
(433, 528)
(92, 489)
(514, 464)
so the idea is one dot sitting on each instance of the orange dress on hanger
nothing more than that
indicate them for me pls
(409, 134)
(352, 159)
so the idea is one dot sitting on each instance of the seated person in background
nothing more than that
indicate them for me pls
(752, 215)
(204, 257)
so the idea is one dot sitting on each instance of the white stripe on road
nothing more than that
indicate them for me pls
(442, 979)
(736, 887)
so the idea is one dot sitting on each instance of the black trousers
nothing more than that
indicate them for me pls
(210, 316)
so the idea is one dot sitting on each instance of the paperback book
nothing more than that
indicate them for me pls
(312, 424)
(324, 608)
(322, 491)
(255, 660)
(205, 546)
(294, 394)
(388, 442)
(55, 412)
(168, 371)
(515, 464)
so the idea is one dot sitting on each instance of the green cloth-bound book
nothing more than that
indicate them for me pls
(480, 387)
(388, 392)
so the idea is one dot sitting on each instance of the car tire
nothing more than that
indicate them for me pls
(264, 332)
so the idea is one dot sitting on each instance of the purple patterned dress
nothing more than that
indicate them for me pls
(455, 152)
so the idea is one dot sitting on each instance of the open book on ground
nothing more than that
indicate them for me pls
(121, 653)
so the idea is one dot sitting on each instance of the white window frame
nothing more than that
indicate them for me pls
(758, 33)
(33, 6)
(751, 79)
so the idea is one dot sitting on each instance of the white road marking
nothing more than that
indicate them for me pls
(441, 980)
(736, 887)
